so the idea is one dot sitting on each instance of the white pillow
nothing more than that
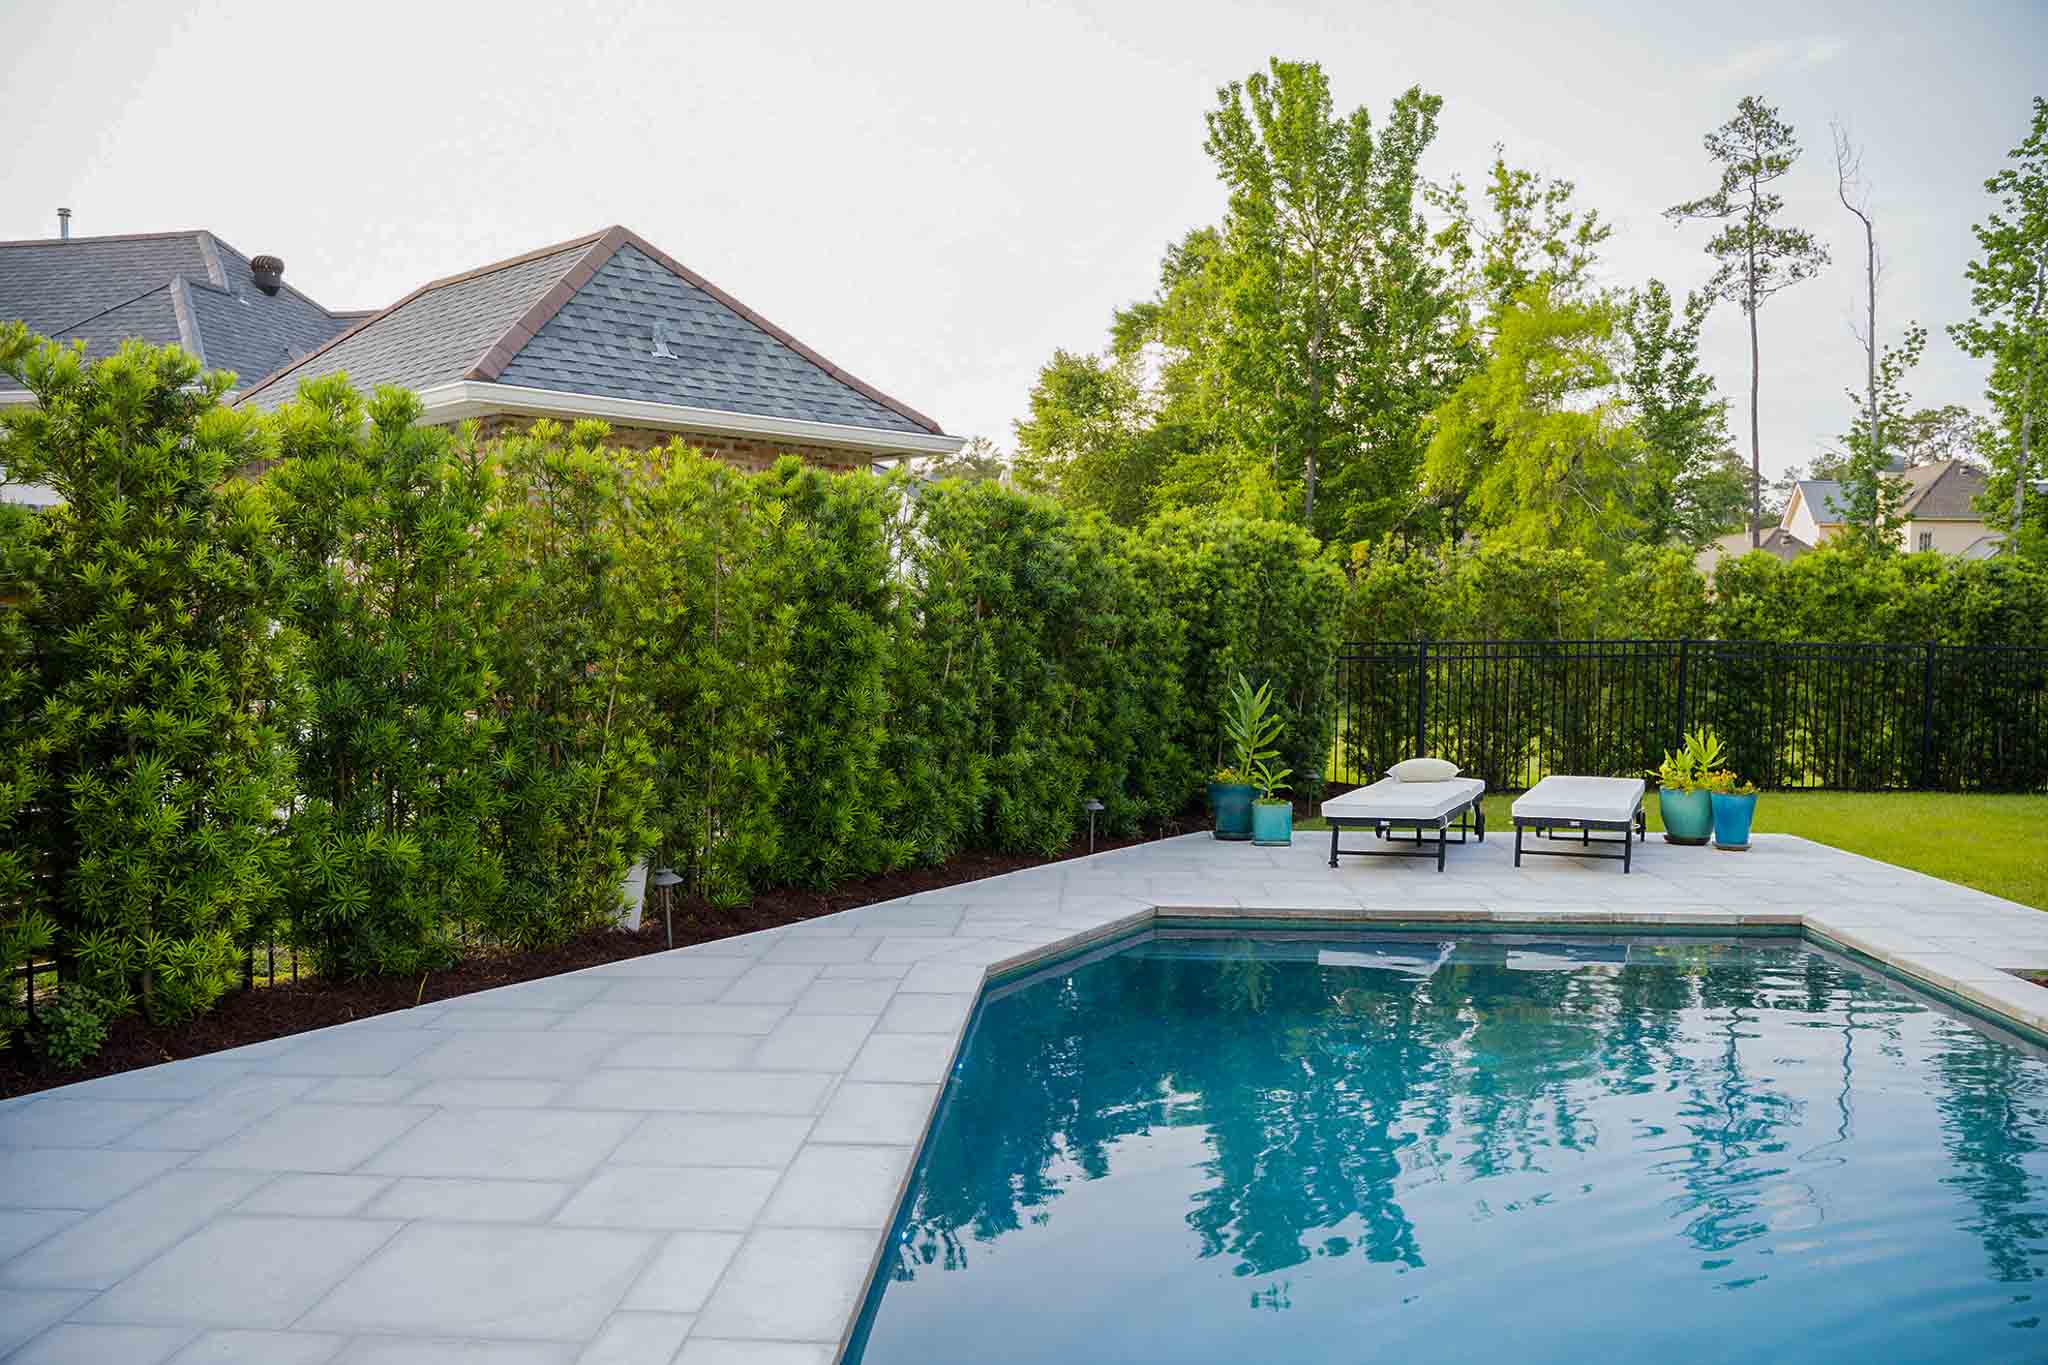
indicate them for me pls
(1423, 770)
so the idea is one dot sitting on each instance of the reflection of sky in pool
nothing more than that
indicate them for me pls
(1210, 1149)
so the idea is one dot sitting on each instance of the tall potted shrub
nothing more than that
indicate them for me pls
(1682, 797)
(1250, 731)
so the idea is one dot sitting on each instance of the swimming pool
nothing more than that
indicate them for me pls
(1212, 1146)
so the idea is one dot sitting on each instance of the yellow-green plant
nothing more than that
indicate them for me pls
(1687, 770)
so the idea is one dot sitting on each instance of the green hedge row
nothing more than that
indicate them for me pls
(1841, 595)
(388, 694)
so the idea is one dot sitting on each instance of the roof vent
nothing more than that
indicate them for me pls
(64, 224)
(269, 272)
(666, 334)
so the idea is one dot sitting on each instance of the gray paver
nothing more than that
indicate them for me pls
(683, 1272)
(791, 1284)
(75, 1343)
(516, 1144)
(495, 1054)
(60, 1178)
(261, 1348)
(57, 1121)
(480, 1201)
(25, 1312)
(714, 1140)
(705, 1351)
(280, 1268)
(499, 1280)
(863, 1111)
(21, 1229)
(99, 1250)
(704, 1198)
(417, 1351)
(708, 1092)
(637, 1338)
(314, 1137)
(219, 1115)
(319, 1196)
(813, 1042)
(904, 1057)
(839, 1186)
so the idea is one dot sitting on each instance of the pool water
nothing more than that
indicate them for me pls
(1280, 1148)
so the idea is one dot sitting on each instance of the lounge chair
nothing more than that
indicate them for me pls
(1584, 804)
(1389, 805)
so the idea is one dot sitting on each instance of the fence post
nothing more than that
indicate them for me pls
(1684, 657)
(1927, 719)
(1421, 698)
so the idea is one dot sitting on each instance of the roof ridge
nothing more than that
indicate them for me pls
(854, 382)
(429, 287)
(509, 342)
(1919, 494)
(107, 237)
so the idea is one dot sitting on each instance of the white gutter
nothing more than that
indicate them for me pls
(466, 398)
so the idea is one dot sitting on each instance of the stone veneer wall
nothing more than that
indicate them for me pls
(745, 451)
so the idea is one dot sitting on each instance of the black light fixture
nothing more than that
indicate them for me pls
(1091, 805)
(665, 879)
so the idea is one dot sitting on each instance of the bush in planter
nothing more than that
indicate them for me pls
(146, 757)
(1734, 803)
(1682, 802)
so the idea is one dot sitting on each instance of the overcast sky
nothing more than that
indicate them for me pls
(937, 195)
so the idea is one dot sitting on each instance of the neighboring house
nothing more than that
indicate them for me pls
(188, 289)
(609, 326)
(1938, 513)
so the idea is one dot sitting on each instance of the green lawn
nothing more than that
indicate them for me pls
(1994, 843)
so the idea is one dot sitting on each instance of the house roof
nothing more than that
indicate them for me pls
(186, 289)
(608, 315)
(1945, 490)
(1824, 499)
(1776, 541)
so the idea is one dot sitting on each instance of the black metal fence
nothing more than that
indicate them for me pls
(1848, 716)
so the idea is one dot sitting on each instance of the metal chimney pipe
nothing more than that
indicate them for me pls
(64, 224)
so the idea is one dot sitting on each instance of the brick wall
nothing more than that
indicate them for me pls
(745, 451)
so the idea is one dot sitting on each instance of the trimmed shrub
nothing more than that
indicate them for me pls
(154, 762)
(388, 533)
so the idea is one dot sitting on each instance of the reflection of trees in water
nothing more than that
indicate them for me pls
(1335, 1089)
(1994, 1112)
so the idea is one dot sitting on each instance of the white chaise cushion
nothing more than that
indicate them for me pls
(1389, 799)
(1581, 798)
(1423, 770)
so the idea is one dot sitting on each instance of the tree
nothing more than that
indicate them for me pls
(979, 461)
(1872, 493)
(1949, 432)
(157, 749)
(1758, 255)
(1540, 434)
(1690, 490)
(1086, 439)
(2009, 291)
(1535, 238)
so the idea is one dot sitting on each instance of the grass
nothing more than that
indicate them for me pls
(1997, 844)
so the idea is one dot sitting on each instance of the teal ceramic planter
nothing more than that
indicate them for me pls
(1732, 816)
(1272, 823)
(1688, 816)
(1230, 807)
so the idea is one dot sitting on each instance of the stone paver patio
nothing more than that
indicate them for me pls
(693, 1156)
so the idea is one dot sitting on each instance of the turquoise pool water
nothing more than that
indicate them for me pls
(1280, 1149)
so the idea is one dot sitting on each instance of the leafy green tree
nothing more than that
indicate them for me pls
(1540, 435)
(1087, 440)
(26, 926)
(1689, 490)
(1336, 316)
(1873, 451)
(1949, 432)
(1533, 238)
(575, 757)
(155, 759)
(1759, 256)
(394, 551)
(2009, 293)
(978, 461)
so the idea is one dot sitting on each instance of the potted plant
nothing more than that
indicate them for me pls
(1682, 797)
(1734, 804)
(1249, 731)
(1272, 813)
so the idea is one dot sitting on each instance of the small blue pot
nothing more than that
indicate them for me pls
(1272, 824)
(1230, 805)
(1732, 817)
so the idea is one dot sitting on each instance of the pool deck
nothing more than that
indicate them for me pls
(693, 1156)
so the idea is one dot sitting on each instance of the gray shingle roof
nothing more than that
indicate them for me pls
(433, 335)
(1944, 490)
(104, 290)
(1823, 499)
(582, 318)
(604, 341)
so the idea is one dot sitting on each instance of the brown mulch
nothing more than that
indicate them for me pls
(255, 1016)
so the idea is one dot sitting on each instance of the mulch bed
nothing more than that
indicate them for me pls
(255, 1016)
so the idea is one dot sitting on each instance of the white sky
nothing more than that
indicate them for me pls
(937, 195)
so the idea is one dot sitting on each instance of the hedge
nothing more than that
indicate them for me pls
(391, 694)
